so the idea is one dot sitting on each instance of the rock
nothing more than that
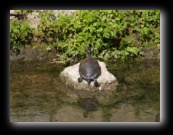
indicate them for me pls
(151, 52)
(70, 76)
(34, 18)
(29, 53)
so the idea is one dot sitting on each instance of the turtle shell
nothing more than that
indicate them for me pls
(89, 69)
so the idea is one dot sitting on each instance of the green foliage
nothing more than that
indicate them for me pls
(113, 34)
(52, 31)
(20, 34)
(47, 28)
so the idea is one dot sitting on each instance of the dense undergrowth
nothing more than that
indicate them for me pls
(113, 34)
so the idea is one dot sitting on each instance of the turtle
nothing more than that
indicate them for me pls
(89, 69)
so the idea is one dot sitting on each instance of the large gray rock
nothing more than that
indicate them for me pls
(70, 77)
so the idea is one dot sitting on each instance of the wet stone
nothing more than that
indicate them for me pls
(106, 80)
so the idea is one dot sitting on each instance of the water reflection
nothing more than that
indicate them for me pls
(36, 94)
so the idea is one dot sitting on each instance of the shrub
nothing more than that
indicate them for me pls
(113, 34)
(20, 34)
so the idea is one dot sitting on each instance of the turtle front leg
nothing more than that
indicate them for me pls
(96, 84)
(80, 79)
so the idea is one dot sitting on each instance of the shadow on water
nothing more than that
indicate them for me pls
(37, 95)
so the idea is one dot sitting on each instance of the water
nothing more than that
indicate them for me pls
(37, 95)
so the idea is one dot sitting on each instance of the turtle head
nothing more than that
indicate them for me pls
(88, 49)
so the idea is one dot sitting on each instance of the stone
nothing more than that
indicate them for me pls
(106, 80)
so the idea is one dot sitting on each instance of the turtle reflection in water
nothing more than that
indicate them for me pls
(88, 104)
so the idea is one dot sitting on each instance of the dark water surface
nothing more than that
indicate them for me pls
(37, 95)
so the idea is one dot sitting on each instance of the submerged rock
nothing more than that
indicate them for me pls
(106, 80)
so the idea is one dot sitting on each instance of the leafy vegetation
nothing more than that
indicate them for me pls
(20, 34)
(113, 34)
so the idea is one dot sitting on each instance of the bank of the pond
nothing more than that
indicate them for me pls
(39, 52)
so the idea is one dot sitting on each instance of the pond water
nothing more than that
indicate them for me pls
(37, 94)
